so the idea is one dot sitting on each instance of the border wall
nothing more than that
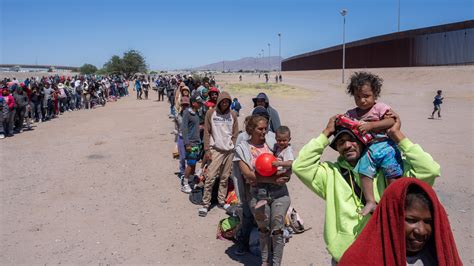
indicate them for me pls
(449, 44)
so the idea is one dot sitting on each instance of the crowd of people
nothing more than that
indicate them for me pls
(40, 99)
(378, 169)
(377, 194)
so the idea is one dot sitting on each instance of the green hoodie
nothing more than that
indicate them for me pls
(343, 223)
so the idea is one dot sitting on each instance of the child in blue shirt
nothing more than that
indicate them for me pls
(438, 100)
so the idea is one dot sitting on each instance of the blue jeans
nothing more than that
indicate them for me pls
(182, 155)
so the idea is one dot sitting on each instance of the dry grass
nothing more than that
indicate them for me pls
(271, 89)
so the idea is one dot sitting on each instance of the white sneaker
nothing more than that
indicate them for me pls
(202, 212)
(186, 189)
(2, 136)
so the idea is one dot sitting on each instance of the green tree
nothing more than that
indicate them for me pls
(87, 69)
(133, 62)
(114, 65)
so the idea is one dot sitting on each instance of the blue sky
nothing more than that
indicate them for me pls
(190, 33)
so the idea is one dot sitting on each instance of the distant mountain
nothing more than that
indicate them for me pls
(245, 64)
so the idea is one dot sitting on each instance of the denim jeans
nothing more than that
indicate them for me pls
(78, 101)
(37, 111)
(270, 220)
(182, 155)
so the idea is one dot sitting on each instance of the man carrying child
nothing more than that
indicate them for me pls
(339, 184)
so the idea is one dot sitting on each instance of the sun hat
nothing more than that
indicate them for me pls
(60, 86)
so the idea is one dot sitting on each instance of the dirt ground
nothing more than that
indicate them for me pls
(97, 186)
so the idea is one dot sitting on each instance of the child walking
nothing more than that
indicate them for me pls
(438, 100)
(235, 105)
(381, 152)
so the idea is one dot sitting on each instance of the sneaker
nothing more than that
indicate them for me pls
(186, 189)
(223, 206)
(2, 136)
(202, 212)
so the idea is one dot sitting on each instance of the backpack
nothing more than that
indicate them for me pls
(237, 106)
(196, 195)
(227, 228)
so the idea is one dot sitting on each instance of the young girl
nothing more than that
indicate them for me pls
(381, 152)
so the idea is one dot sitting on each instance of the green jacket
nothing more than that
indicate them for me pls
(343, 223)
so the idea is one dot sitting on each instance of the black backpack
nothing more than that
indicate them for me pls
(197, 192)
(196, 195)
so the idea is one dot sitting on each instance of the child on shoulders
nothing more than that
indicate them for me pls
(381, 153)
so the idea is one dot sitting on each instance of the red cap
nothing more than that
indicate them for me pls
(214, 89)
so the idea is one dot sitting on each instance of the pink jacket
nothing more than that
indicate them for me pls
(10, 101)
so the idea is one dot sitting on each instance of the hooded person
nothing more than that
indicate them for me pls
(408, 227)
(220, 134)
(183, 92)
(262, 100)
(213, 95)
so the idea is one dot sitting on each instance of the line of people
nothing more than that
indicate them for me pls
(41, 99)
(378, 164)
(208, 133)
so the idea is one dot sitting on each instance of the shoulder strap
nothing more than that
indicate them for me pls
(345, 173)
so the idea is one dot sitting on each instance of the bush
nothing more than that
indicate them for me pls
(88, 69)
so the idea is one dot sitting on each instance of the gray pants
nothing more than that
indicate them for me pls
(270, 221)
(20, 117)
(2, 121)
(86, 98)
(10, 121)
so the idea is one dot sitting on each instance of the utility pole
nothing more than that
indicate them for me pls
(279, 52)
(343, 14)
(398, 15)
(269, 62)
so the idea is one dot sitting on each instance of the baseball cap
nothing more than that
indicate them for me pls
(340, 131)
(262, 111)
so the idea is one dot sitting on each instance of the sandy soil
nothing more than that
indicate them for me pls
(98, 186)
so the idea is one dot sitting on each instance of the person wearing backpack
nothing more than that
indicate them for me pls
(236, 106)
